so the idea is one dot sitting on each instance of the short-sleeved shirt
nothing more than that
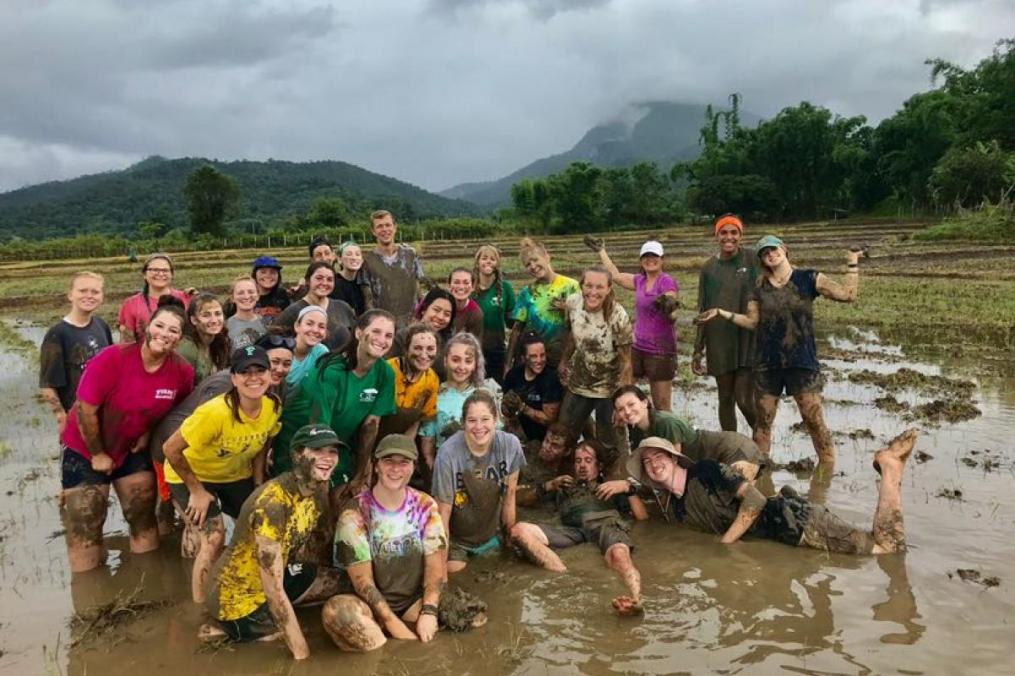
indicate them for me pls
(275, 510)
(534, 309)
(333, 395)
(244, 332)
(220, 449)
(217, 383)
(475, 485)
(130, 400)
(498, 309)
(416, 401)
(710, 501)
(351, 292)
(393, 280)
(595, 368)
(785, 333)
(654, 332)
(199, 359)
(65, 350)
(395, 542)
(137, 311)
(667, 425)
(271, 304)
(728, 284)
(469, 319)
(301, 367)
(341, 320)
(545, 388)
(449, 410)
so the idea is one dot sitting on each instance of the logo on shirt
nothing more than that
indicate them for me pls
(164, 393)
(368, 396)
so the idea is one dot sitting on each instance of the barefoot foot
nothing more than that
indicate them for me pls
(897, 451)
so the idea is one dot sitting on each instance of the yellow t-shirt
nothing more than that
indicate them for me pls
(277, 511)
(219, 449)
(420, 395)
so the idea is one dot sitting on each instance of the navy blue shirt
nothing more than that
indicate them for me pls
(784, 338)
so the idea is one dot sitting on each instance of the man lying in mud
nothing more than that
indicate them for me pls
(711, 497)
(254, 585)
(584, 517)
(545, 460)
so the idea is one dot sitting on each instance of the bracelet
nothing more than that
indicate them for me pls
(428, 609)
(852, 265)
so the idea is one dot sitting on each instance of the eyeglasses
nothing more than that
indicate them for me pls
(159, 271)
(269, 341)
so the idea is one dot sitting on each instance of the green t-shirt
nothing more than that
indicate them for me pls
(332, 394)
(498, 309)
(668, 426)
(726, 284)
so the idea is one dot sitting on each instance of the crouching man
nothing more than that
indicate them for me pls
(254, 585)
(584, 517)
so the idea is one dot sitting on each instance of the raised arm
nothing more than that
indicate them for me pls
(624, 279)
(843, 293)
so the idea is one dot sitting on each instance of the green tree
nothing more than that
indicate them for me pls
(969, 176)
(211, 196)
(330, 212)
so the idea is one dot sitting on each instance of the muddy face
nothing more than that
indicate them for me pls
(553, 448)
(586, 467)
(535, 358)
(422, 351)
(487, 262)
(163, 333)
(208, 319)
(315, 465)
(281, 361)
(375, 340)
(537, 263)
(323, 253)
(437, 315)
(321, 283)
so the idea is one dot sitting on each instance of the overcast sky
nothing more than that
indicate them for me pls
(435, 92)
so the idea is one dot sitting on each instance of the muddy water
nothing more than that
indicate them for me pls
(756, 607)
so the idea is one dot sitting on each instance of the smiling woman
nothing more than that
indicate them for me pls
(205, 343)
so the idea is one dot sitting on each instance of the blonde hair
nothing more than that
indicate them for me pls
(498, 284)
(381, 213)
(241, 278)
(529, 245)
(85, 273)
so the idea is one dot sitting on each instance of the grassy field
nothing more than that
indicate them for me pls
(959, 294)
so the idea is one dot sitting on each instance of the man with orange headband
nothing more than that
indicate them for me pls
(726, 282)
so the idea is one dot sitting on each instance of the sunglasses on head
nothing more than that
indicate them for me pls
(269, 342)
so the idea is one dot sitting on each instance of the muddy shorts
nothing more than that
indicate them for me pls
(790, 519)
(603, 532)
(229, 497)
(461, 552)
(654, 367)
(792, 381)
(76, 469)
(297, 579)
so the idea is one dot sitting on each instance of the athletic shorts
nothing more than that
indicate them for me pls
(653, 367)
(229, 497)
(461, 552)
(604, 532)
(792, 381)
(76, 469)
(296, 580)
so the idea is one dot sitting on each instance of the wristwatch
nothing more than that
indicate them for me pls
(428, 609)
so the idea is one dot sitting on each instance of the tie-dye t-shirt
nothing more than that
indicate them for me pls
(395, 542)
(534, 309)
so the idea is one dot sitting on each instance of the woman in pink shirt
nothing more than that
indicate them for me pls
(654, 355)
(124, 391)
(137, 310)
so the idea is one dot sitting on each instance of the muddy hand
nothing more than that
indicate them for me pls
(608, 489)
(707, 316)
(595, 244)
(102, 463)
(511, 404)
(559, 304)
(666, 304)
(698, 365)
(427, 284)
(627, 606)
(197, 506)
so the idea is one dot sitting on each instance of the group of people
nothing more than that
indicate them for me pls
(370, 431)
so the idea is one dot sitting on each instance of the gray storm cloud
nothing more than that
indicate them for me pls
(435, 91)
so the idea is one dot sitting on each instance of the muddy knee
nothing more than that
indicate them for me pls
(139, 509)
(83, 512)
(350, 623)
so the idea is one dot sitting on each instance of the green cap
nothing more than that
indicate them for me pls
(315, 436)
(766, 242)
(397, 444)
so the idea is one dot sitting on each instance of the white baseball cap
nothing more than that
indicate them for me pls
(651, 247)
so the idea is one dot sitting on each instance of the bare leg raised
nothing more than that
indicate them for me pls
(889, 531)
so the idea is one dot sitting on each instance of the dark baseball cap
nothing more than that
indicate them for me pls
(315, 436)
(397, 444)
(248, 356)
(267, 262)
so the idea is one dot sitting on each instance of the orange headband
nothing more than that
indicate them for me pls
(728, 220)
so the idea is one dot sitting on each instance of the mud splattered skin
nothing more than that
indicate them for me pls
(64, 352)
(276, 510)
(785, 334)
(595, 368)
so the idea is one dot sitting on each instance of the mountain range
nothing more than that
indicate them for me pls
(656, 131)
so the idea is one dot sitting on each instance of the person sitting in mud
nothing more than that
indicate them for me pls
(254, 585)
(532, 392)
(781, 313)
(730, 448)
(544, 461)
(216, 458)
(585, 517)
(123, 392)
(475, 480)
(68, 345)
(391, 541)
(709, 496)
(596, 358)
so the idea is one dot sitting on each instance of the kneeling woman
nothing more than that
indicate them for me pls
(391, 542)
(217, 456)
(475, 480)
(122, 394)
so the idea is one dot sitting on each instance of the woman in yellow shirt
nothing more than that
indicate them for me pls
(416, 385)
(216, 458)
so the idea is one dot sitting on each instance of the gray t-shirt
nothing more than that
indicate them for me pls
(475, 485)
(244, 332)
(217, 383)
